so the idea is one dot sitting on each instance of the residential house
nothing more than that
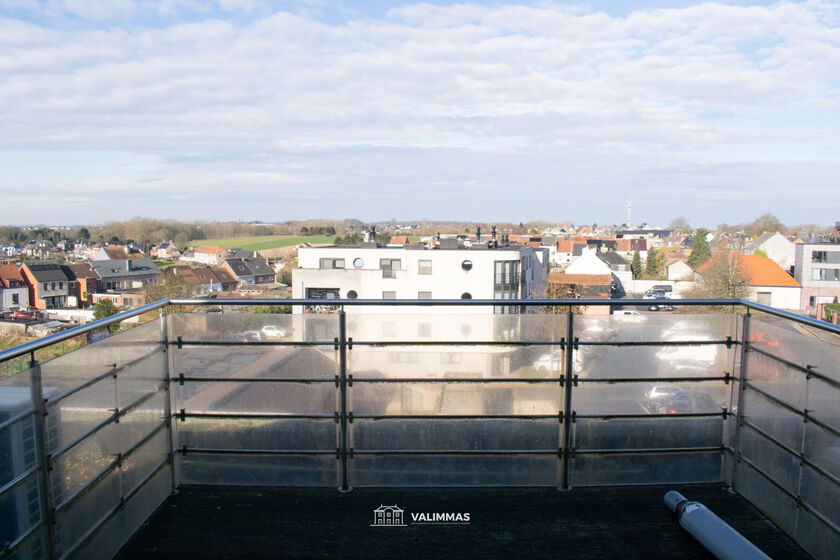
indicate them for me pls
(677, 269)
(14, 293)
(622, 274)
(776, 246)
(202, 280)
(817, 268)
(47, 283)
(128, 299)
(207, 254)
(450, 271)
(628, 247)
(125, 274)
(249, 272)
(166, 250)
(767, 283)
(110, 252)
(84, 282)
(226, 279)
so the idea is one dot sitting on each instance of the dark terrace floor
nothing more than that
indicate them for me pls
(591, 523)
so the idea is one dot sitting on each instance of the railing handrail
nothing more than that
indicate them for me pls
(34, 345)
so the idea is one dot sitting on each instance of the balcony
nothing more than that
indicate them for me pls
(221, 426)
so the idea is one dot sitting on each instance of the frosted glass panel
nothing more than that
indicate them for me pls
(588, 470)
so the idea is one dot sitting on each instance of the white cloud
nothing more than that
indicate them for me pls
(586, 98)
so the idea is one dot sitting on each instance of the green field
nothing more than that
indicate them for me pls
(261, 242)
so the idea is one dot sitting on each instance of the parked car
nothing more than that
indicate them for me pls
(683, 401)
(273, 331)
(629, 316)
(550, 362)
(247, 336)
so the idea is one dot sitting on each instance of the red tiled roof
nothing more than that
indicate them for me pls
(209, 249)
(759, 271)
(9, 272)
(399, 239)
(116, 253)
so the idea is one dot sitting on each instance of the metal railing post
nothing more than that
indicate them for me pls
(42, 453)
(742, 388)
(342, 398)
(567, 414)
(168, 368)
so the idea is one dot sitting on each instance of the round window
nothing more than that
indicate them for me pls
(466, 265)
(358, 262)
(352, 294)
(466, 295)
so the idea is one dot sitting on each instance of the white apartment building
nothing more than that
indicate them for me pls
(817, 268)
(449, 271)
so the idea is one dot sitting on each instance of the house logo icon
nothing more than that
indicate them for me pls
(388, 516)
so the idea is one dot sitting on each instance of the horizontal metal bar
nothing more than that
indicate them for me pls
(804, 414)
(34, 345)
(116, 508)
(116, 462)
(16, 418)
(252, 415)
(112, 371)
(536, 302)
(776, 400)
(18, 479)
(455, 380)
(455, 452)
(797, 367)
(10, 547)
(454, 416)
(109, 420)
(651, 379)
(251, 343)
(795, 317)
(249, 380)
(501, 343)
(646, 416)
(756, 468)
(211, 451)
(800, 456)
(825, 520)
(649, 450)
(656, 343)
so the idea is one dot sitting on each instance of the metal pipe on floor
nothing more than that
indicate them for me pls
(724, 542)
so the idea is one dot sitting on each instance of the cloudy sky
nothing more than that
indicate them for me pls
(272, 110)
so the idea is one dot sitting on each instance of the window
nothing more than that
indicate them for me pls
(819, 256)
(352, 294)
(403, 357)
(61, 285)
(505, 283)
(358, 262)
(15, 299)
(466, 265)
(466, 295)
(390, 267)
(450, 358)
(389, 295)
(53, 285)
(331, 263)
(128, 302)
(424, 295)
(829, 274)
(424, 267)
(46, 286)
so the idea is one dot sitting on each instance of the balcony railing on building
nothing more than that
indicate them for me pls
(95, 440)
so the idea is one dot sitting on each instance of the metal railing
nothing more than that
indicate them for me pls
(565, 380)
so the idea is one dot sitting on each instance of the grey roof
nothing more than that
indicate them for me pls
(259, 266)
(125, 267)
(613, 258)
(249, 267)
(755, 243)
(47, 272)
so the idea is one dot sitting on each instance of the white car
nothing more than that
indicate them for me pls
(550, 362)
(273, 331)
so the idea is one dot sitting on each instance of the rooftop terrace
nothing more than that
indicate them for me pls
(228, 434)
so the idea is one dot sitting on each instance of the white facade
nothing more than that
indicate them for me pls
(403, 273)
(588, 263)
(679, 271)
(780, 249)
(780, 297)
(14, 298)
(817, 268)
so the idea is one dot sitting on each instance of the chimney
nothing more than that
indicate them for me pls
(478, 234)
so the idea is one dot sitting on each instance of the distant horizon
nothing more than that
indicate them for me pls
(252, 109)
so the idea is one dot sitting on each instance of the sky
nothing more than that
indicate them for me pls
(484, 111)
